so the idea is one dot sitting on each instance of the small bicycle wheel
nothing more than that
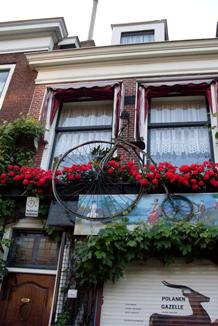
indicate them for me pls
(177, 208)
(83, 185)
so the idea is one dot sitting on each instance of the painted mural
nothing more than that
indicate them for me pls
(149, 210)
(199, 315)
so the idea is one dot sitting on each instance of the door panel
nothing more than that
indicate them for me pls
(26, 300)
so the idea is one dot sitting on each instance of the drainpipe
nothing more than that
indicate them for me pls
(92, 21)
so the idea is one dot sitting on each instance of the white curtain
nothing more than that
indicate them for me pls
(3, 78)
(186, 111)
(137, 38)
(83, 114)
(67, 140)
(181, 145)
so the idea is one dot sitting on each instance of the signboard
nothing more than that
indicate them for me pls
(32, 207)
(72, 293)
(152, 294)
(149, 210)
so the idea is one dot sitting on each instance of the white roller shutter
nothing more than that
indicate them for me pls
(140, 293)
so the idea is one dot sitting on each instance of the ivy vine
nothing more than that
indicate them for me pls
(105, 257)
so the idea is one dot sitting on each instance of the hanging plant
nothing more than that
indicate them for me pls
(18, 140)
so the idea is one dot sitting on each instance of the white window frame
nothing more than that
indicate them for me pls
(50, 132)
(137, 33)
(163, 99)
(11, 69)
(89, 128)
(158, 28)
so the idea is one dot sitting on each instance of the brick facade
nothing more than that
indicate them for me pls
(20, 91)
(36, 106)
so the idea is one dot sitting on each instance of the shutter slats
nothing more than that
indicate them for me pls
(140, 293)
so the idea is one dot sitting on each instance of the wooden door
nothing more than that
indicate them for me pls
(26, 300)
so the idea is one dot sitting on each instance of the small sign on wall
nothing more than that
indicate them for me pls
(72, 293)
(32, 207)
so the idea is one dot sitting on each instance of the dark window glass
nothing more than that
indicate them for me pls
(137, 37)
(33, 250)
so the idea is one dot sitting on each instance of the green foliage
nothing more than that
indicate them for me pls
(17, 140)
(99, 152)
(106, 256)
(3, 269)
(63, 319)
(7, 207)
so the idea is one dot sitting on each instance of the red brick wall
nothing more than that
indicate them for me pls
(20, 91)
(130, 90)
(37, 102)
(130, 87)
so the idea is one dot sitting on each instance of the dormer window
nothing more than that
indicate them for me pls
(137, 37)
(140, 32)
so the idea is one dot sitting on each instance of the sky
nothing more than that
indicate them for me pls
(187, 19)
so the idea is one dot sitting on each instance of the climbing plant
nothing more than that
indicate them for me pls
(18, 141)
(105, 257)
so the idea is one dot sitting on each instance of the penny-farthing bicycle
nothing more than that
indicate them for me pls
(81, 177)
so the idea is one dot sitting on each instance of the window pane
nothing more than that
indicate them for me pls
(180, 109)
(180, 145)
(3, 78)
(81, 114)
(137, 37)
(33, 250)
(67, 140)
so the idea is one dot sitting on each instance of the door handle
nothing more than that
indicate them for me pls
(25, 300)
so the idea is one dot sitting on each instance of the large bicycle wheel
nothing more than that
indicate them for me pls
(177, 208)
(83, 185)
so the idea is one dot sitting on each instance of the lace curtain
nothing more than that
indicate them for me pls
(178, 111)
(67, 140)
(83, 114)
(3, 78)
(181, 145)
